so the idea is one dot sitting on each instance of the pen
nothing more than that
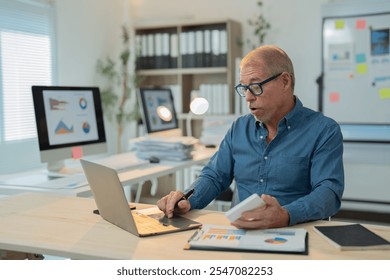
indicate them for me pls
(185, 196)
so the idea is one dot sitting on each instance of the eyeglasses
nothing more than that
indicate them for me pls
(255, 88)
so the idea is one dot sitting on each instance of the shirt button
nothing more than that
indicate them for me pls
(261, 180)
(265, 157)
(261, 137)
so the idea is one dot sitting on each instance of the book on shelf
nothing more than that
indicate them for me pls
(161, 51)
(199, 48)
(215, 48)
(352, 237)
(150, 58)
(158, 46)
(207, 48)
(174, 50)
(183, 49)
(190, 62)
(156, 50)
(229, 238)
(223, 48)
(217, 95)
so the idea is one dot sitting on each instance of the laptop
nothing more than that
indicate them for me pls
(113, 206)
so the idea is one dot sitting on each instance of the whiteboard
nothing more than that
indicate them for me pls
(356, 71)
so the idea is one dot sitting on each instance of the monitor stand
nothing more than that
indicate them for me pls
(59, 169)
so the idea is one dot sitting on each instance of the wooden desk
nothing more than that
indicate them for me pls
(143, 173)
(65, 226)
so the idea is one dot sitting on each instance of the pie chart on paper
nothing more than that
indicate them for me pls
(276, 240)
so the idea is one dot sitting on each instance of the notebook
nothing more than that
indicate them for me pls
(113, 206)
(353, 237)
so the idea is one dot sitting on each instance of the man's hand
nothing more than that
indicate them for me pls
(168, 202)
(271, 215)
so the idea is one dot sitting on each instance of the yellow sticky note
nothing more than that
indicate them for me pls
(361, 68)
(339, 24)
(384, 93)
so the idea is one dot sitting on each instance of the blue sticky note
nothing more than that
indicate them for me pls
(360, 58)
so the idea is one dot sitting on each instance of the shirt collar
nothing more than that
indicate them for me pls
(290, 117)
(294, 114)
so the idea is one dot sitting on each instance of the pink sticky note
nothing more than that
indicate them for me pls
(361, 24)
(77, 152)
(334, 97)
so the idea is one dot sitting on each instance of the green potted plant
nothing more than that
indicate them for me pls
(118, 92)
(260, 27)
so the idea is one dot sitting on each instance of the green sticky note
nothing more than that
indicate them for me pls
(361, 68)
(339, 24)
(384, 93)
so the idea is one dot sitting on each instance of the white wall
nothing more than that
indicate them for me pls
(88, 30)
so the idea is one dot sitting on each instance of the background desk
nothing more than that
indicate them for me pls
(65, 226)
(131, 177)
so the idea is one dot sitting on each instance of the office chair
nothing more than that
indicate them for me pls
(224, 200)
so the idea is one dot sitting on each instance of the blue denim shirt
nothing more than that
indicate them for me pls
(302, 167)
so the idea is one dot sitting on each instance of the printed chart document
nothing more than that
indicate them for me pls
(353, 237)
(229, 238)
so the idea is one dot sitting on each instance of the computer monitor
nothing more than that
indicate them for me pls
(158, 112)
(69, 124)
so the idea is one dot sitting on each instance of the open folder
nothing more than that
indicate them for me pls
(229, 238)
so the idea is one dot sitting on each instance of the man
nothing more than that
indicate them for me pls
(288, 154)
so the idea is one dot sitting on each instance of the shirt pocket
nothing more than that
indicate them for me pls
(293, 172)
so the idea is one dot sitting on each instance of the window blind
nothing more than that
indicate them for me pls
(27, 57)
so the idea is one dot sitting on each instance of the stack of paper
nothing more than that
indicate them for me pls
(166, 148)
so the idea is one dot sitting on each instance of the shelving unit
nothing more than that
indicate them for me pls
(189, 57)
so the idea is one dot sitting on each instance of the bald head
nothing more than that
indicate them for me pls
(270, 60)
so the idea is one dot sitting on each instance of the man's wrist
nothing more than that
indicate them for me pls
(285, 217)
